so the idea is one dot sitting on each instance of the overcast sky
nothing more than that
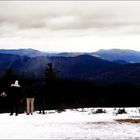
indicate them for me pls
(71, 26)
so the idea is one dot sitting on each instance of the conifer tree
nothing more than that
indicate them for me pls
(8, 76)
(51, 88)
(50, 74)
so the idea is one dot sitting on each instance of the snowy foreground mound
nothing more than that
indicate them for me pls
(72, 124)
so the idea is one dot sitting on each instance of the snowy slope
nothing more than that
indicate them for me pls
(71, 124)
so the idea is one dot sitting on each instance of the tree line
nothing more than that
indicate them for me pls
(60, 93)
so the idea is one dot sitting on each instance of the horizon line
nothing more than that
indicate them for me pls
(43, 51)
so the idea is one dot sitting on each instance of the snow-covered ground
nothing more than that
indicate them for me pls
(71, 124)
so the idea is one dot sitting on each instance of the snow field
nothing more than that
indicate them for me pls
(71, 124)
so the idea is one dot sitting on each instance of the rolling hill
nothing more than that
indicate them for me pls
(23, 52)
(129, 56)
(82, 66)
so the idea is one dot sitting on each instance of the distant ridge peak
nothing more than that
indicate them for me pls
(23, 52)
(119, 54)
(117, 50)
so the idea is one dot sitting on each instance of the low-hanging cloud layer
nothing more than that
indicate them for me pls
(70, 26)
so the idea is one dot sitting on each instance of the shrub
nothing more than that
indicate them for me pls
(60, 110)
(121, 111)
(100, 111)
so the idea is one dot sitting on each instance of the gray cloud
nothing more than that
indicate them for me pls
(102, 16)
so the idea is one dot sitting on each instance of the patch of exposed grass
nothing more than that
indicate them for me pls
(128, 120)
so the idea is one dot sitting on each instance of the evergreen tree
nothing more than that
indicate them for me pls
(51, 88)
(51, 75)
(5, 82)
(9, 77)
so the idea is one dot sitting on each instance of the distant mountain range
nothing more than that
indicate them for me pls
(103, 66)
(115, 55)
(129, 56)
(23, 52)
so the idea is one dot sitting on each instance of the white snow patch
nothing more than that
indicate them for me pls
(71, 124)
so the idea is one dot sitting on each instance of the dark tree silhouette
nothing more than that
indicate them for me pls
(8, 77)
(5, 83)
(50, 73)
(52, 86)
